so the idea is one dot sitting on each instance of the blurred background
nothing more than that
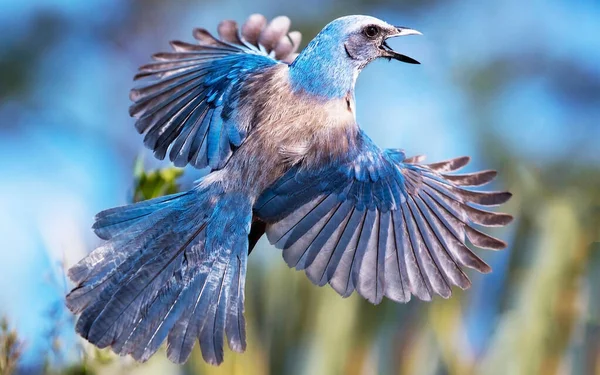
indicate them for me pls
(514, 84)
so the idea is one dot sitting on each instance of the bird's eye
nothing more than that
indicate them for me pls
(371, 31)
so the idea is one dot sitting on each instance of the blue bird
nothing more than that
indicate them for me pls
(288, 159)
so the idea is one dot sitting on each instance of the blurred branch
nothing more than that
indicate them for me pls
(448, 329)
(532, 337)
(11, 348)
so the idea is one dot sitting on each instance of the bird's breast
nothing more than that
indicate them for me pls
(288, 128)
(302, 127)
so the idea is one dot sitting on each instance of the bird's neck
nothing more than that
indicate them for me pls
(324, 70)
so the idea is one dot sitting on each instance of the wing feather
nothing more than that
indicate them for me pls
(382, 224)
(186, 105)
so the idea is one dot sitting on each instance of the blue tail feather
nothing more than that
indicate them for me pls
(172, 268)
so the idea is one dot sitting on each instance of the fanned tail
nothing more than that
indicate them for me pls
(171, 268)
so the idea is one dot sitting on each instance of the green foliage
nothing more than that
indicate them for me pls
(155, 183)
(78, 369)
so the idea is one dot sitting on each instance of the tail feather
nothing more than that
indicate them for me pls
(135, 282)
(114, 263)
(172, 268)
(221, 312)
(107, 259)
(188, 329)
(152, 332)
(207, 316)
(167, 306)
(179, 343)
(213, 326)
(132, 296)
(235, 324)
(113, 221)
(171, 312)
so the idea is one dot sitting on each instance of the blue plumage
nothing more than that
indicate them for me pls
(372, 184)
(191, 98)
(288, 159)
(325, 60)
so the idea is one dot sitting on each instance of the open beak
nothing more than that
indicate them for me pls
(391, 54)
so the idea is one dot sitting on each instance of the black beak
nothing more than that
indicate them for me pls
(391, 54)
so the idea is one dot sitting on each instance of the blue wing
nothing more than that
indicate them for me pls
(382, 224)
(187, 107)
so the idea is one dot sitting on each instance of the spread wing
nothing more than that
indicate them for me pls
(383, 224)
(187, 102)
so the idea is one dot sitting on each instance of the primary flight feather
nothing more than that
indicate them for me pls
(287, 158)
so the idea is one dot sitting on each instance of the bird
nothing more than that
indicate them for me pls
(286, 158)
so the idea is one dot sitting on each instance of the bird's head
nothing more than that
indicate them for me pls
(365, 38)
(329, 65)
